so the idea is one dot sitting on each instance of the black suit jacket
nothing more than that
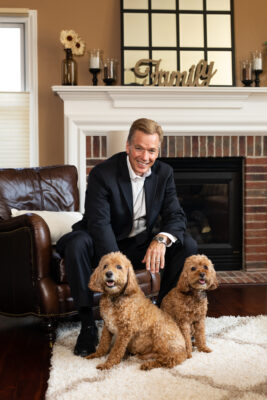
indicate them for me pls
(108, 213)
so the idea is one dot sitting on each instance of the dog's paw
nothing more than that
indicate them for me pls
(205, 349)
(146, 366)
(104, 366)
(91, 356)
(189, 355)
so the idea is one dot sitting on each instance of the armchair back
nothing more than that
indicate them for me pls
(51, 188)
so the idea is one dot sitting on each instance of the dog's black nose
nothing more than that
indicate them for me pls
(202, 275)
(109, 274)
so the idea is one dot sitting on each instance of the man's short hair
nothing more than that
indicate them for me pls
(147, 126)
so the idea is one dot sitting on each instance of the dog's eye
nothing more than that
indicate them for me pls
(193, 268)
(105, 266)
(205, 267)
(118, 266)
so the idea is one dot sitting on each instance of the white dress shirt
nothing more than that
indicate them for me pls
(139, 203)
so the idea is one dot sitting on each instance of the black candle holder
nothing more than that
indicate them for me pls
(247, 82)
(257, 73)
(94, 72)
(109, 71)
(246, 72)
(109, 81)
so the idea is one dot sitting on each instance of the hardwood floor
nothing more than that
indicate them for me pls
(24, 359)
(243, 300)
(25, 351)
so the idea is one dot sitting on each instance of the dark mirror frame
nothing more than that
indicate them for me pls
(178, 48)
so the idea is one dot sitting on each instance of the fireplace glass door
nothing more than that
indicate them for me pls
(207, 207)
(210, 192)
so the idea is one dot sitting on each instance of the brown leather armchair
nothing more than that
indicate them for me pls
(32, 275)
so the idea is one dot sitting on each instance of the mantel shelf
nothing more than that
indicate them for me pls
(100, 110)
(162, 97)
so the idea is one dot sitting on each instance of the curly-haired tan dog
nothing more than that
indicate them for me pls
(137, 324)
(187, 303)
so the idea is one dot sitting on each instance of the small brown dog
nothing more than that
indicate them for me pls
(137, 325)
(187, 303)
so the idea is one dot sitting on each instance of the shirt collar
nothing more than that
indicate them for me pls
(133, 175)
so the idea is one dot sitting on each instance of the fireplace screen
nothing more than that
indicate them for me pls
(210, 192)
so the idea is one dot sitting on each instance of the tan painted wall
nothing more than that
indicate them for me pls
(98, 23)
(250, 33)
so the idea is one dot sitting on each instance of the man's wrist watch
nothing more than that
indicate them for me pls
(160, 239)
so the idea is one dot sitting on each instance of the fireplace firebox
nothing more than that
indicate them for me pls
(210, 192)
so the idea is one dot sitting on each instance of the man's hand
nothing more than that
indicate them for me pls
(155, 256)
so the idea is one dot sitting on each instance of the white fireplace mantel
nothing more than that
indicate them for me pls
(97, 110)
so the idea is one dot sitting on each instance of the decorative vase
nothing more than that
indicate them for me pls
(69, 69)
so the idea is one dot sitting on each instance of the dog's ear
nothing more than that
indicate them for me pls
(132, 285)
(214, 282)
(183, 285)
(95, 281)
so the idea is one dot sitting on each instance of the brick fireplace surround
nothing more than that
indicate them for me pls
(230, 137)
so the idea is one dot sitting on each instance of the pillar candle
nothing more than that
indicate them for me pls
(94, 62)
(257, 63)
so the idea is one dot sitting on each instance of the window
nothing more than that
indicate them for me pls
(180, 33)
(12, 47)
(18, 88)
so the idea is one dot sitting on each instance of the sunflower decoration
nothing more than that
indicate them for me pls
(71, 40)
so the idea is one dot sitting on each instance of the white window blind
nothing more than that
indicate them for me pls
(14, 130)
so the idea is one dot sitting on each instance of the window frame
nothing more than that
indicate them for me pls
(29, 19)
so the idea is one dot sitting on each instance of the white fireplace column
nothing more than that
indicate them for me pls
(116, 142)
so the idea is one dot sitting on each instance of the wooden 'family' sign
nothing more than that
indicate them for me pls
(197, 75)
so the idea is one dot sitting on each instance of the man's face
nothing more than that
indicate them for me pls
(143, 151)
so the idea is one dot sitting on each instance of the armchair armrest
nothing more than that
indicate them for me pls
(40, 236)
(25, 262)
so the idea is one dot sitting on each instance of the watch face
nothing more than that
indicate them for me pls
(161, 239)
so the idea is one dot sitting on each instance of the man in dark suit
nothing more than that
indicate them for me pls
(131, 206)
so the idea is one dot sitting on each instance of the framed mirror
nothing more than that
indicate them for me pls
(180, 33)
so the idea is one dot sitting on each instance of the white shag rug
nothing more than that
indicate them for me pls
(236, 369)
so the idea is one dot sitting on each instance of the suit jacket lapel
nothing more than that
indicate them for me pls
(125, 185)
(150, 191)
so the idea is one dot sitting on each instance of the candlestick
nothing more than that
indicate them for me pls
(257, 73)
(257, 61)
(257, 66)
(95, 63)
